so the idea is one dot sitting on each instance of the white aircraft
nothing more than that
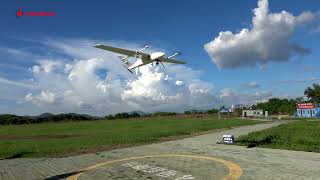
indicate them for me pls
(143, 58)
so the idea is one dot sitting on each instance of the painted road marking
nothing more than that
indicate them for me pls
(234, 170)
(157, 171)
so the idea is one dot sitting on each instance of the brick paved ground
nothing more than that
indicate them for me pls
(255, 163)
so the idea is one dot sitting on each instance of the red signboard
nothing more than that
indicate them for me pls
(306, 105)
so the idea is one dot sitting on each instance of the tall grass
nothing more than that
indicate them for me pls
(301, 136)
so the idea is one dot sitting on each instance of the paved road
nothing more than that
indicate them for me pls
(197, 157)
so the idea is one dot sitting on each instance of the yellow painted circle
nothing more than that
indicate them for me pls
(234, 170)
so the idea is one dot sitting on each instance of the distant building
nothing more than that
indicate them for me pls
(308, 110)
(233, 108)
(252, 113)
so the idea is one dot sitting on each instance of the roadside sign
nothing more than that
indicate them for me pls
(228, 139)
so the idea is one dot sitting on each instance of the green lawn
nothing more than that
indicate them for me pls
(301, 136)
(44, 140)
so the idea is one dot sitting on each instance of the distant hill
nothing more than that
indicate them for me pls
(45, 117)
(6, 119)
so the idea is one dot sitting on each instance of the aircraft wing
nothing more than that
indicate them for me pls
(138, 63)
(120, 50)
(168, 60)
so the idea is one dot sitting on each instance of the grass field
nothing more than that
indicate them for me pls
(301, 136)
(65, 138)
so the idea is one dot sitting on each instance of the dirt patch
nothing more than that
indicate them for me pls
(39, 137)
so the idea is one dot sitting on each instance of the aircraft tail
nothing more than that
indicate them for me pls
(125, 61)
(127, 68)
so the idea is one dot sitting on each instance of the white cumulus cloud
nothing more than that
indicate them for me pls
(179, 83)
(253, 84)
(46, 66)
(94, 82)
(267, 40)
(231, 96)
(45, 97)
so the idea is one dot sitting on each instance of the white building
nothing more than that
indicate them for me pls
(252, 113)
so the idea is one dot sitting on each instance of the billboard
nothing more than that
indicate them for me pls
(306, 105)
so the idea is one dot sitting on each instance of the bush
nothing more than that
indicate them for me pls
(164, 114)
(121, 115)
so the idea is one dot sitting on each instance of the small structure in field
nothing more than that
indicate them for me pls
(223, 111)
(252, 113)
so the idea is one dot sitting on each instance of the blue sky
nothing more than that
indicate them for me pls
(166, 25)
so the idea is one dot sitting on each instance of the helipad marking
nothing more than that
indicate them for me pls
(157, 170)
(234, 170)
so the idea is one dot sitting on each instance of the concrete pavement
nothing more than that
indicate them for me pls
(197, 157)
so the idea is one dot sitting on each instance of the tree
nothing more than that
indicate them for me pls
(121, 115)
(212, 111)
(159, 113)
(313, 93)
(222, 107)
(278, 106)
(134, 115)
(299, 99)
